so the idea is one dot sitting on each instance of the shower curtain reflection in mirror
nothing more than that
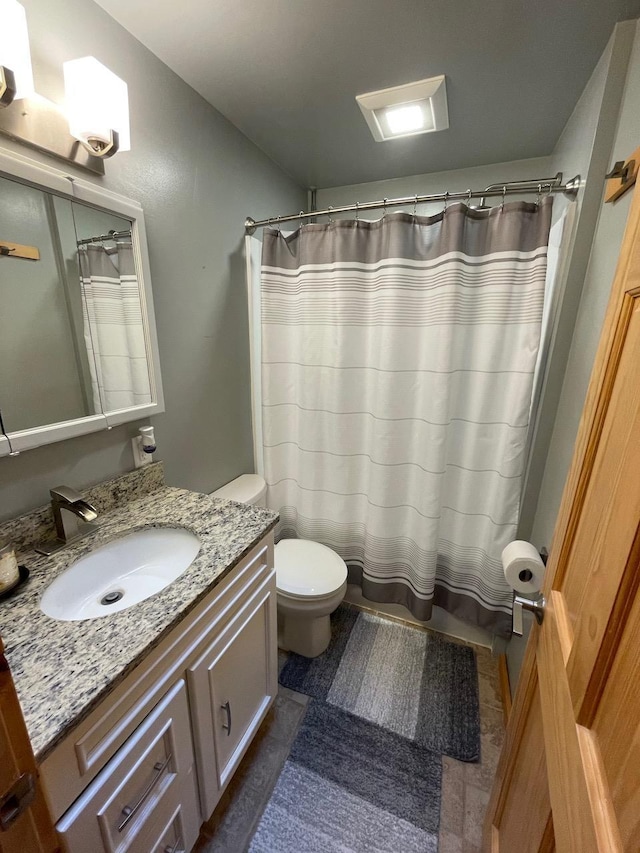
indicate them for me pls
(113, 326)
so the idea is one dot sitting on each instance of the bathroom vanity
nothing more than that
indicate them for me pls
(138, 719)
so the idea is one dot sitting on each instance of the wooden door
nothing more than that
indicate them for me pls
(569, 775)
(22, 830)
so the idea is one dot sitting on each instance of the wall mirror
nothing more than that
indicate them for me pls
(78, 346)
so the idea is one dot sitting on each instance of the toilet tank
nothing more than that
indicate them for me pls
(246, 489)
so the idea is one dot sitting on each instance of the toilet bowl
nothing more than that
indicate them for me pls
(311, 579)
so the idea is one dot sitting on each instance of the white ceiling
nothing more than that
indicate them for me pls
(286, 72)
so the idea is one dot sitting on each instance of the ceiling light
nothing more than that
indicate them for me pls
(97, 104)
(405, 119)
(16, 75)
(408, 110)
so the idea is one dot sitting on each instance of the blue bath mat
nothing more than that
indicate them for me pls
(351, 785)
(411, 682)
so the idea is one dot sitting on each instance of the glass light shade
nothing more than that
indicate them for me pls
(14, 46)
(97, 102)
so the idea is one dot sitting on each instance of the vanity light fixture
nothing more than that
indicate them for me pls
(96, 122)
(407, 110)
(97, 104)
(16, 74)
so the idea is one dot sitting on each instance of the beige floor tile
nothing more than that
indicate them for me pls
(492, 726)
(485, 660)
(489, 689)
(452, 798)
(449, 843)
(475, 806)
(481, 775)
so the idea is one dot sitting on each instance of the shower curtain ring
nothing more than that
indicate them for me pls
(301, 222)
(469, 194)
(539, 195)
(446, 201)
(504, 192)
(384, 207)
(278, 225)
(329, 210)
(357, 203)
(415, 205)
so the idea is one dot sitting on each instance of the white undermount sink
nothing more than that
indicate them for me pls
(122, 573)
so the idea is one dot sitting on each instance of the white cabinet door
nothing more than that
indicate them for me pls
(149, 782)
(231, 687)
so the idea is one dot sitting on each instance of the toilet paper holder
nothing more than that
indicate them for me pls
(533, 605)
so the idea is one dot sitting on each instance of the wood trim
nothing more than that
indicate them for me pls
(603, 377)
(505, 687)
(628, 590)
(616, 187)
(548, 843)
(575, 828)
(605, 823)
(17, 250)
(33, 831)
(525, 694)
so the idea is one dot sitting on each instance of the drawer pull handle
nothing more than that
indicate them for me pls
(174, 849)
(227, 707)
(130, 811)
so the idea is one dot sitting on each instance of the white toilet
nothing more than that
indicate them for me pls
(311, 579)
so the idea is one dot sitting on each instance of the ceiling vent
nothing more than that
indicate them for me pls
(408, 110)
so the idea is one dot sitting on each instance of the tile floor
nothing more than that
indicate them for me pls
(465, 787)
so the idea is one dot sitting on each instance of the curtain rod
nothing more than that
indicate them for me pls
(112, 235)
(534, 185)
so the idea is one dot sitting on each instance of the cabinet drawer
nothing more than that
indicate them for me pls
(150, 779)
(231, 687)
(165, 836)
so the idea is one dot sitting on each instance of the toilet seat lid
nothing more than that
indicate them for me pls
(308, 569)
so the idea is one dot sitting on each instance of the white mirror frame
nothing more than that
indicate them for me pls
(15, 167)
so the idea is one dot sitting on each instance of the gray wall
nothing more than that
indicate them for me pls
(584, 148)
(434, 182)
(595, 295)
(197, 178)
(597, 258)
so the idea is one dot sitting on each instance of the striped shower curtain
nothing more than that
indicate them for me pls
(397, 370)
(113, 327)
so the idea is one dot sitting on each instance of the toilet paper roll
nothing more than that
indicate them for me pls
(523, 566)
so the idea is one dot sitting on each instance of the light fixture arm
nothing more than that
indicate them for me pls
(7, 86)
(99, 148)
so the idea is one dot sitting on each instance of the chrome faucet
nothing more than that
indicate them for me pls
(72, 516)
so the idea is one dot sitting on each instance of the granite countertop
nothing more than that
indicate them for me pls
(63, 669)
